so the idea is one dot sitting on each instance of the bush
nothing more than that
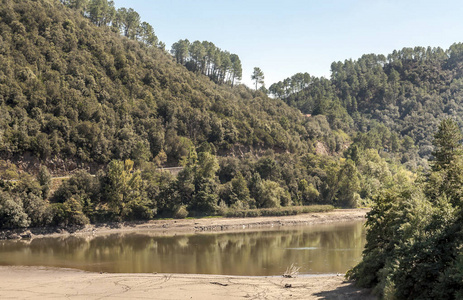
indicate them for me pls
(181, 212)
(138, 210)
(12, 214)
(69, 213)
(38, 210)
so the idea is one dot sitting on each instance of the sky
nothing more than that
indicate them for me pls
(290, 36)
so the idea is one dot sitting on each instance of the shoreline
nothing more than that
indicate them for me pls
(21, 282)
(47, 283)
(185, 226)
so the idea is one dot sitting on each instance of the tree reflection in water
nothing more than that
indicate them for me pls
(332, 248)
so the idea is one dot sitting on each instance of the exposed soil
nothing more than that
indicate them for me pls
(170, 227)
(47, 283)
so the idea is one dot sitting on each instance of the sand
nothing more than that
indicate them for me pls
(171, 227)
(47, 283)
(53, 283)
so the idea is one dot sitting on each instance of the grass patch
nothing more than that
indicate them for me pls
(277, 212)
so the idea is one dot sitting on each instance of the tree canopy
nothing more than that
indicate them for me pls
(207, 59)
(414, 240)
(73, 87)
(258, 76)
(408, 92)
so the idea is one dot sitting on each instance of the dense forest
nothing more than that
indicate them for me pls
(415, 232)
(81, 86)
(90, 92)
(73, 88)
(401, 96)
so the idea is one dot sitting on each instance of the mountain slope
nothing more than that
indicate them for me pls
(408, 93)
(70, 89)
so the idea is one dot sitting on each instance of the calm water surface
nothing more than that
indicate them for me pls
(332, 248)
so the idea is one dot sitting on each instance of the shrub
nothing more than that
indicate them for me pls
(38, 210)
(69, 213)
(12, 214)
(181, 212)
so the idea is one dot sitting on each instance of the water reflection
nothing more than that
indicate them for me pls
(316, 249)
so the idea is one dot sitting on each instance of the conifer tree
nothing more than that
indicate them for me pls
(258, 76)
(448, 144)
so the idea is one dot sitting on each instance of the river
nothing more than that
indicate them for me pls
(315, 249)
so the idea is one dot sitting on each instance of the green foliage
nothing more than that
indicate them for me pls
(181, 212)
(282, 211)
(270, 194)
(204, 198)
(205, 58)
(414, 238)
(126, 21)
(396, 102)
(75, 89)
(81, 186)
(69, 213)
(348, 185)
(8, 171)
(447, 141)
(308, 194)
(122, 191)
(258, 76)
(38, 210)
(12, 214)
(44, 179)
(294, 84)
(237, 195)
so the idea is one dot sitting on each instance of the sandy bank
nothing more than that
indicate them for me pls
(52, 283)
(46, 283)
(170, 227)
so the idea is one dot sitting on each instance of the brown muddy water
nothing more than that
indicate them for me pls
(316, 249)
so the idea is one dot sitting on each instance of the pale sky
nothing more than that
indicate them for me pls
(291, 36)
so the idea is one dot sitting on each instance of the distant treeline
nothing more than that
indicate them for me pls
(291, 85)
(406, 92)
(202, 57)
(205, 58)
(123, 20)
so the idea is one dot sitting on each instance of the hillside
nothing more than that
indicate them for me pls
(408, 107)
(82, 89)
(73, 90)
(400, 98)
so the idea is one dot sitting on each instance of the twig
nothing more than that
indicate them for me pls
(291, 272)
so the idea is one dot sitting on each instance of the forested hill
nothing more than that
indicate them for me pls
(73, 87)
(83, 84)
(401, 96)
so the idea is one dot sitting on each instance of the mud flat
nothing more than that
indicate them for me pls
(49, 283)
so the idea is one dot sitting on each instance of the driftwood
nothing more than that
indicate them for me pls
(218, 283)
(291, 272)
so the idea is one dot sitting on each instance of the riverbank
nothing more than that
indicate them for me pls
(50, 283)
(45, 283)
(170, 226)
